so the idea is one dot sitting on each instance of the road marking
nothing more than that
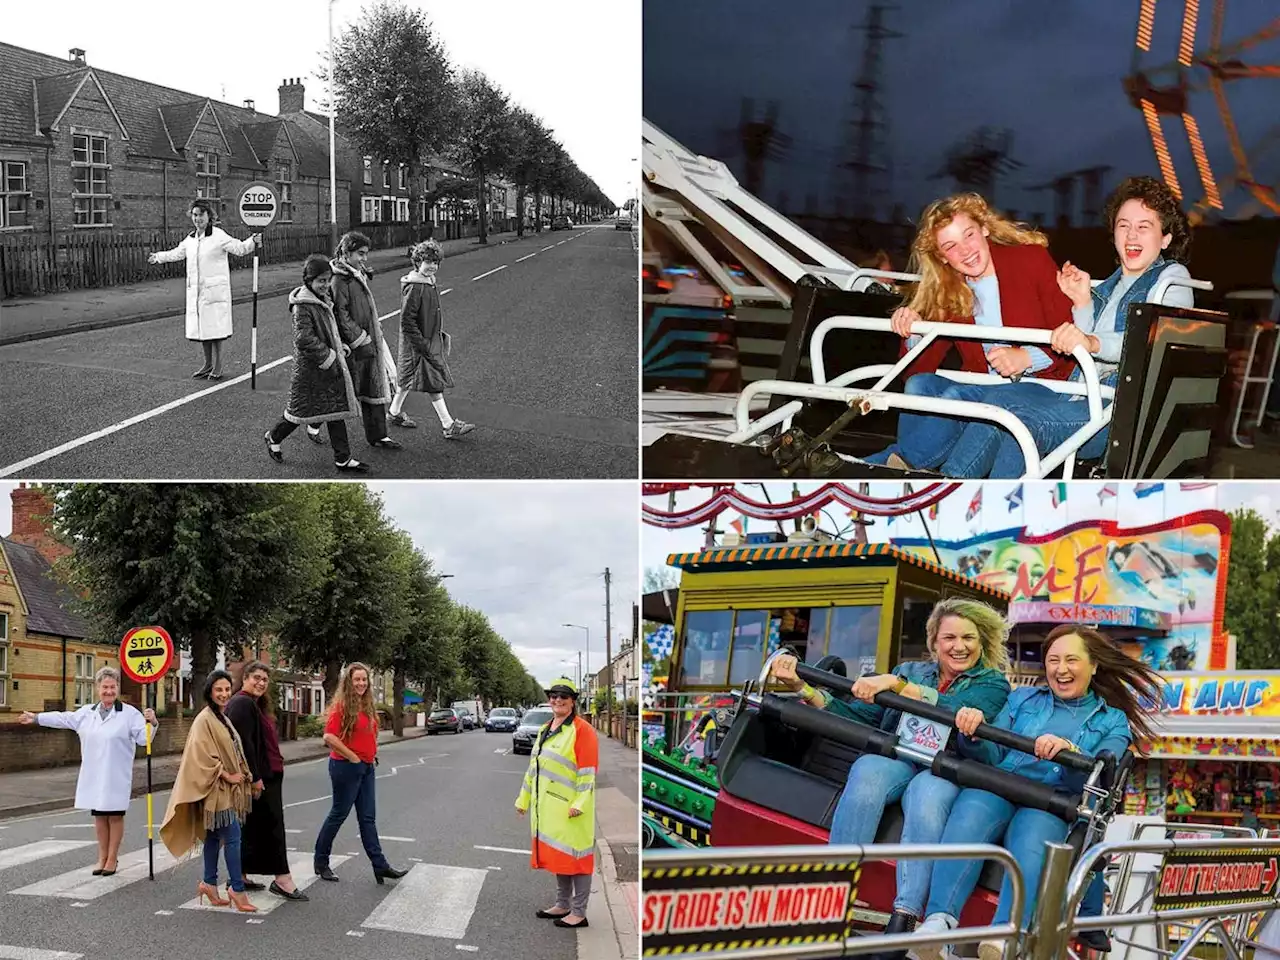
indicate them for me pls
(398, 839)
(523, 259)
(501, 849)
(31, 852)
(545, 249)
(433, 900)
(492, 867)
(489, 274)
(290, 830)
(443, 292)
(562, 243)
(71, 826)
(354, 933)
(132, 421)
(164, 913)
(300, 803)
(251, 920)
(463, 946)
(31, 953)
(265, 900)
(415, 859)
(81, 884)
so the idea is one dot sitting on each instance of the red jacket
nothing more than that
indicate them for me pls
(1029, 297)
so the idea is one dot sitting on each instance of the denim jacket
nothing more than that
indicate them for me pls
(1137, 293)
(982, 687)
(1027, 711)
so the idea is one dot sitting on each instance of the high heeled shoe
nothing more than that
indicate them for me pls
(325, 873)
(240, 901)
(204, 890)
(387, 873)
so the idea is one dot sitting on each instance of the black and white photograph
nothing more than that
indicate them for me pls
(404, 226)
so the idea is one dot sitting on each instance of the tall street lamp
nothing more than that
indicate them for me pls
(587, 630)
(333, 160)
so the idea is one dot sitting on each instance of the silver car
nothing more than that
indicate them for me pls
(530, 724)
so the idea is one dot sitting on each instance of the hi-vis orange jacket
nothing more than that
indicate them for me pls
(562, 777)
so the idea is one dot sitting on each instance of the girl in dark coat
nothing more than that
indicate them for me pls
(321, 390)
(357, 314)
(263, 848)
(423, 362)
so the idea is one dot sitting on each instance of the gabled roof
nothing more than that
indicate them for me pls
(180, 120)
(49, 603)
(53, 94)
(262, 136)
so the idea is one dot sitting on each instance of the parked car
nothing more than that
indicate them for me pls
(623, 222)
(530, 724)
(502, 720)
(468, 720)
(561, 223)
(445, 719)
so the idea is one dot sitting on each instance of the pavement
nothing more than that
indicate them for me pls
(444, 812)
(544, 361)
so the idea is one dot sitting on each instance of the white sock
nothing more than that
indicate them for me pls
(397, 403)
(442, 411)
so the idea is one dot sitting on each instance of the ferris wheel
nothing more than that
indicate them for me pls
(1162, 89)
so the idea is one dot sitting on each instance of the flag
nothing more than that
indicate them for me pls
(1108, 490)
(1141, 490)
(1015, 498)
(889, 522)
(933, 510)
(1058, 495)
(1188, 487)
(737, 525)
(975, 505)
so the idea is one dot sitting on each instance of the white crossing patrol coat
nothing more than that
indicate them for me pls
(208, 281)
(107, 751)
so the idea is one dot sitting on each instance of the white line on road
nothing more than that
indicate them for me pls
(562, 243)
(398, 839)
(490, 273)
(463, 946)
(434, 900)
(501, 849)
(117, 427)
(31, 852)
(415, 859)
(355, 933)
(290, 830)
(31, 953)
(81, 884)
(443, 292)
(492, 867)
(164, 913)
(545, 249)
(299, 803)
(523, 259)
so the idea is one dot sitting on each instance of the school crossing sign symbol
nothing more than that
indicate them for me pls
(146, 654)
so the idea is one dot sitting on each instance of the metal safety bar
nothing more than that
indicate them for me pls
(786, 855)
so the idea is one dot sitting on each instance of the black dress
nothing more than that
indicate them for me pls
(263, 849)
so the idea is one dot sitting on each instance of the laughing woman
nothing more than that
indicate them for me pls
(109, 731)
(966, 640)
(205, 250)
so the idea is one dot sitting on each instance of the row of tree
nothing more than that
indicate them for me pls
(1252, 610)
(317, 570)
(400, 98)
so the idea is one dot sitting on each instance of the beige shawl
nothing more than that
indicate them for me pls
(201, 800)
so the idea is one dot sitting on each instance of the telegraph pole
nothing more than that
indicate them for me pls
(608, 656)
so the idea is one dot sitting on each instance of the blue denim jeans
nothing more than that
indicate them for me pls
(981, 817)
(227, 838)
(1093, 902)
(924, 440)
(875, 782)
(353, 785)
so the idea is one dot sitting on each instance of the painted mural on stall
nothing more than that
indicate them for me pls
(1170, 576)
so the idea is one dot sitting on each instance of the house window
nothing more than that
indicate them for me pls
(15, 198)
(402, 210)
(208, 172)
(403, 179)
(91, 193)
(386, 175)
(368, 170)
(84, 679)
(368, 209)
(284, 187)
(4, 659)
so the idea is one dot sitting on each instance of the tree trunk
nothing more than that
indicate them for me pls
(203, 654)
(332, 673)
(520, 212)
(415, 196)
(482, 190)
(397, 705)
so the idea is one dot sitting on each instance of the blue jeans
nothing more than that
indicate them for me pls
(228, 838)
(875, 782)
(925, 440)
(981, 817)
(352, 786)
(1092, 904)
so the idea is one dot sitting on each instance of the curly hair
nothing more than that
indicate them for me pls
(993, 629)
(1120, 680)
(942, 292)
(316, 265)
(1160, 199)
(352, 240)
(426, 250)
(348, 705)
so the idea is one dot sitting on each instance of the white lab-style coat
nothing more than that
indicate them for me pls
(106, 752)
(208, 281)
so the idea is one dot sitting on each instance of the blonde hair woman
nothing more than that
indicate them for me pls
(976, 266)
(352, 734)
(966, 643)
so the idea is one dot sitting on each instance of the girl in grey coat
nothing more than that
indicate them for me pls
(423, 361)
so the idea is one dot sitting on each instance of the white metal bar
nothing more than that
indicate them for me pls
(1164, 283)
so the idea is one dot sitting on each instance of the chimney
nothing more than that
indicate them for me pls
(248, 105)
(77, 56)
(32, 515)
(291, 96)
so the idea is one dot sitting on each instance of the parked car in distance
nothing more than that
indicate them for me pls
(442, 720)
(468, 720)
(561, 223)
(530, 724)
(623, 222)
(501, 720)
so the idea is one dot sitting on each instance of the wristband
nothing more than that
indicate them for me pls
(807, 692)
(901, 685)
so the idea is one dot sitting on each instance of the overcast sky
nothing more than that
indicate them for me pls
(574, 63)
(1050, 72)
(531, 555)
(1036, 512)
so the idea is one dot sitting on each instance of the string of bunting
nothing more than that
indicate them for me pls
(724, 498)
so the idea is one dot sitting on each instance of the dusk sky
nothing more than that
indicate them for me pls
(1050, 72)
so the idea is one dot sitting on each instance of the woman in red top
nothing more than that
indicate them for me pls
(352, 733)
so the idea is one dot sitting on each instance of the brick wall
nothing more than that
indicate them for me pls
(32, 513)
(35, 665)
(33, 747)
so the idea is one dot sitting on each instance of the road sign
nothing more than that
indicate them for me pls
(258, 205)
(146, 654)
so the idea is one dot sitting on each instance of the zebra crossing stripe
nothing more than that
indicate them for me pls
(30, 852)
(432, 900)
(81, 884)
(31, 953)
(265, 900)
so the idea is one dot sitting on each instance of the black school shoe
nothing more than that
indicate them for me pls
(898, 923)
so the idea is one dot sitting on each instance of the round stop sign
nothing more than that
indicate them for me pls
(258, 205)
